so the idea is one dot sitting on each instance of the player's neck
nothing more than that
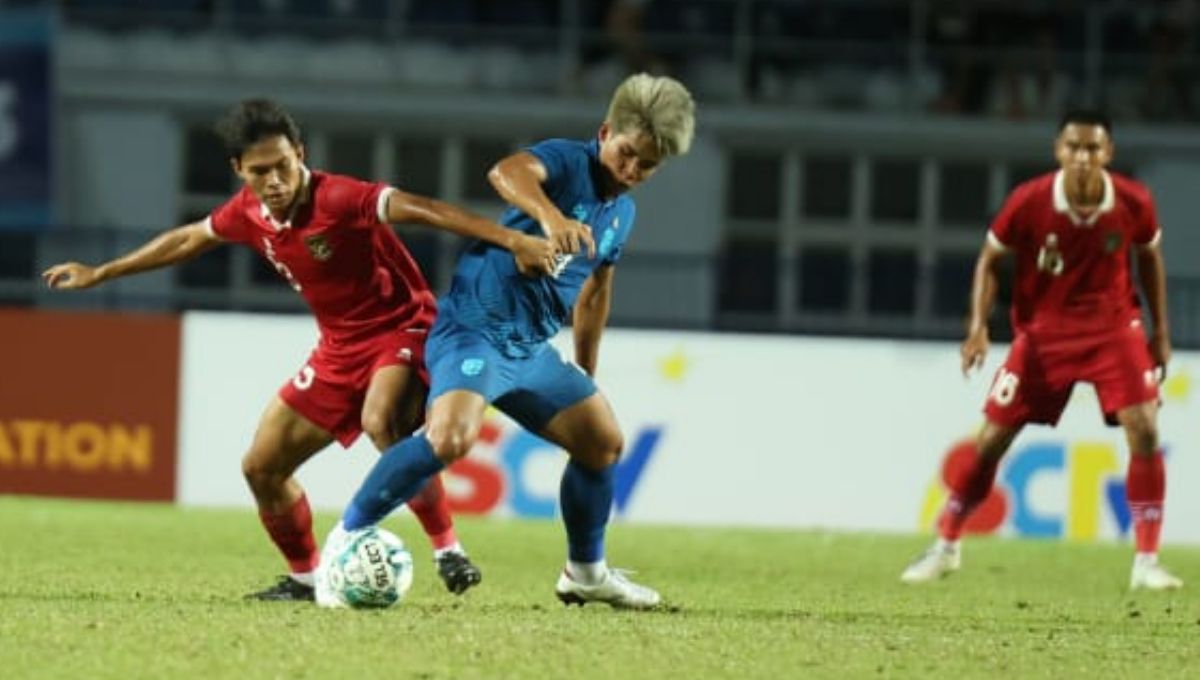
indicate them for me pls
(1084, 193)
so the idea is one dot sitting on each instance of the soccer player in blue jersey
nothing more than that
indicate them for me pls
(490, 345)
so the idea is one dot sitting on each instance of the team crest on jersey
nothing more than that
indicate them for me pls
(579, 212)
(1112, 241)
(318, 247)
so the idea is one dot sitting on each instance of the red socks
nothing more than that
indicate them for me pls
(431, 509)
(1145, 488)
(967, 490)
(292, 534)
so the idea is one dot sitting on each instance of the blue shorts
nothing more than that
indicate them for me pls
(531, 390)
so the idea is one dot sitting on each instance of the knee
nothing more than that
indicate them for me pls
(604, 449)
(379, 429)
(451, 439)
(260, 472)
(1143, 437)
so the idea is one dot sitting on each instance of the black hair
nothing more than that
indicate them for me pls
(1086, 117)
(252, 121)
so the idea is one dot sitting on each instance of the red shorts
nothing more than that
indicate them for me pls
(330, 388)
(1035, 382)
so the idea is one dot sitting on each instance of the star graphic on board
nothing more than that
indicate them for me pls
(1177, 387)
(674, 366)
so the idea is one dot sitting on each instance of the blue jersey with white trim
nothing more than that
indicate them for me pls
(518, 313)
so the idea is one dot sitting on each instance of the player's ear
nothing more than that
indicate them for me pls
(605, 132)
(236, 164)
(300, 152)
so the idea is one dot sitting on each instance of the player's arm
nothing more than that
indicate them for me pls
(590, 316)
(533, 255)
(518, 179)
(984, 284)
(1153, 275)
(169, 247)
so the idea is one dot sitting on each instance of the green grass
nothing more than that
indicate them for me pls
(96, 590)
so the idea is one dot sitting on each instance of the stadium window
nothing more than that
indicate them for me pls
(827, 187)
(754, 191)
(350, 154)
(963, 195)
(893, 280)
(749, 272)
(1023, 172)
(479, 157)
(895, 190)
(206, 169)
(18, 255)
(952, 273)
(824, 279)
(210, 270)
(419, 166)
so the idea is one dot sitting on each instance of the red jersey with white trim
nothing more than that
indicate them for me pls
(1073, 272)
(338, 252)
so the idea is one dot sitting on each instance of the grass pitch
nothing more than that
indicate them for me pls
(98, 590)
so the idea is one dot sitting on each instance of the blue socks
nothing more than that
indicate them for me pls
(586, 497)
(397, 476)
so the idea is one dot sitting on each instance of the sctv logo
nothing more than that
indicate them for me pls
(1048, 488)
(512, 469)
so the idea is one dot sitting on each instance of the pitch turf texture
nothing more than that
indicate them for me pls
(92, 590)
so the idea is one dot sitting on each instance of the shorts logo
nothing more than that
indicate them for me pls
(318, 247)
(579, 212)
(472, 367)
(405, 353)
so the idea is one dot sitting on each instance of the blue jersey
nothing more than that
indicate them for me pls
(517, 313)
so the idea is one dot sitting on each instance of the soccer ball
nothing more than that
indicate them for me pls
(373, 569)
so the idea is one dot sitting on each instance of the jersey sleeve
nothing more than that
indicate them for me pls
(228, 221)
(1003, 231)
(557, 157)
(363, 204)
(1146, 230)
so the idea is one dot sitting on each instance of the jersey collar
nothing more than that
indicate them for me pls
(1063, 206)
(305, 183)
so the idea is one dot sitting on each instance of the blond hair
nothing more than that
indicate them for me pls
(658, 106)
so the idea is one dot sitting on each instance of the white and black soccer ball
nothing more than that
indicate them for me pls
(372, 570)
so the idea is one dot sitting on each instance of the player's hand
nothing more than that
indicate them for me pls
(1160, 352)
(974, 349)
(534, 256)
(71, 276)
(570, 236)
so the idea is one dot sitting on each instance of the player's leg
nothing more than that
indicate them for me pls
(404, 468)
(588, 431)
(968, 489)
(1126, 384)
(283, 441)
(393, 408)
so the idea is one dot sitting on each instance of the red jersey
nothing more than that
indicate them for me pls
(338, 252)
(1073, 273)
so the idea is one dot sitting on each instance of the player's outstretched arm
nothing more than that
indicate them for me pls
(169, 247)
(534, 256)
(590, 317)
(518, 179)
(1153, 274)
(983, 295)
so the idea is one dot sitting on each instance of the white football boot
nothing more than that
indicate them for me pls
(1148, 574)
(324, 591)
(942, 559)
(614, 589)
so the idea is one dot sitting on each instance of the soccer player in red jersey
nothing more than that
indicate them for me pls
(1076, 318)
(329, 236)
